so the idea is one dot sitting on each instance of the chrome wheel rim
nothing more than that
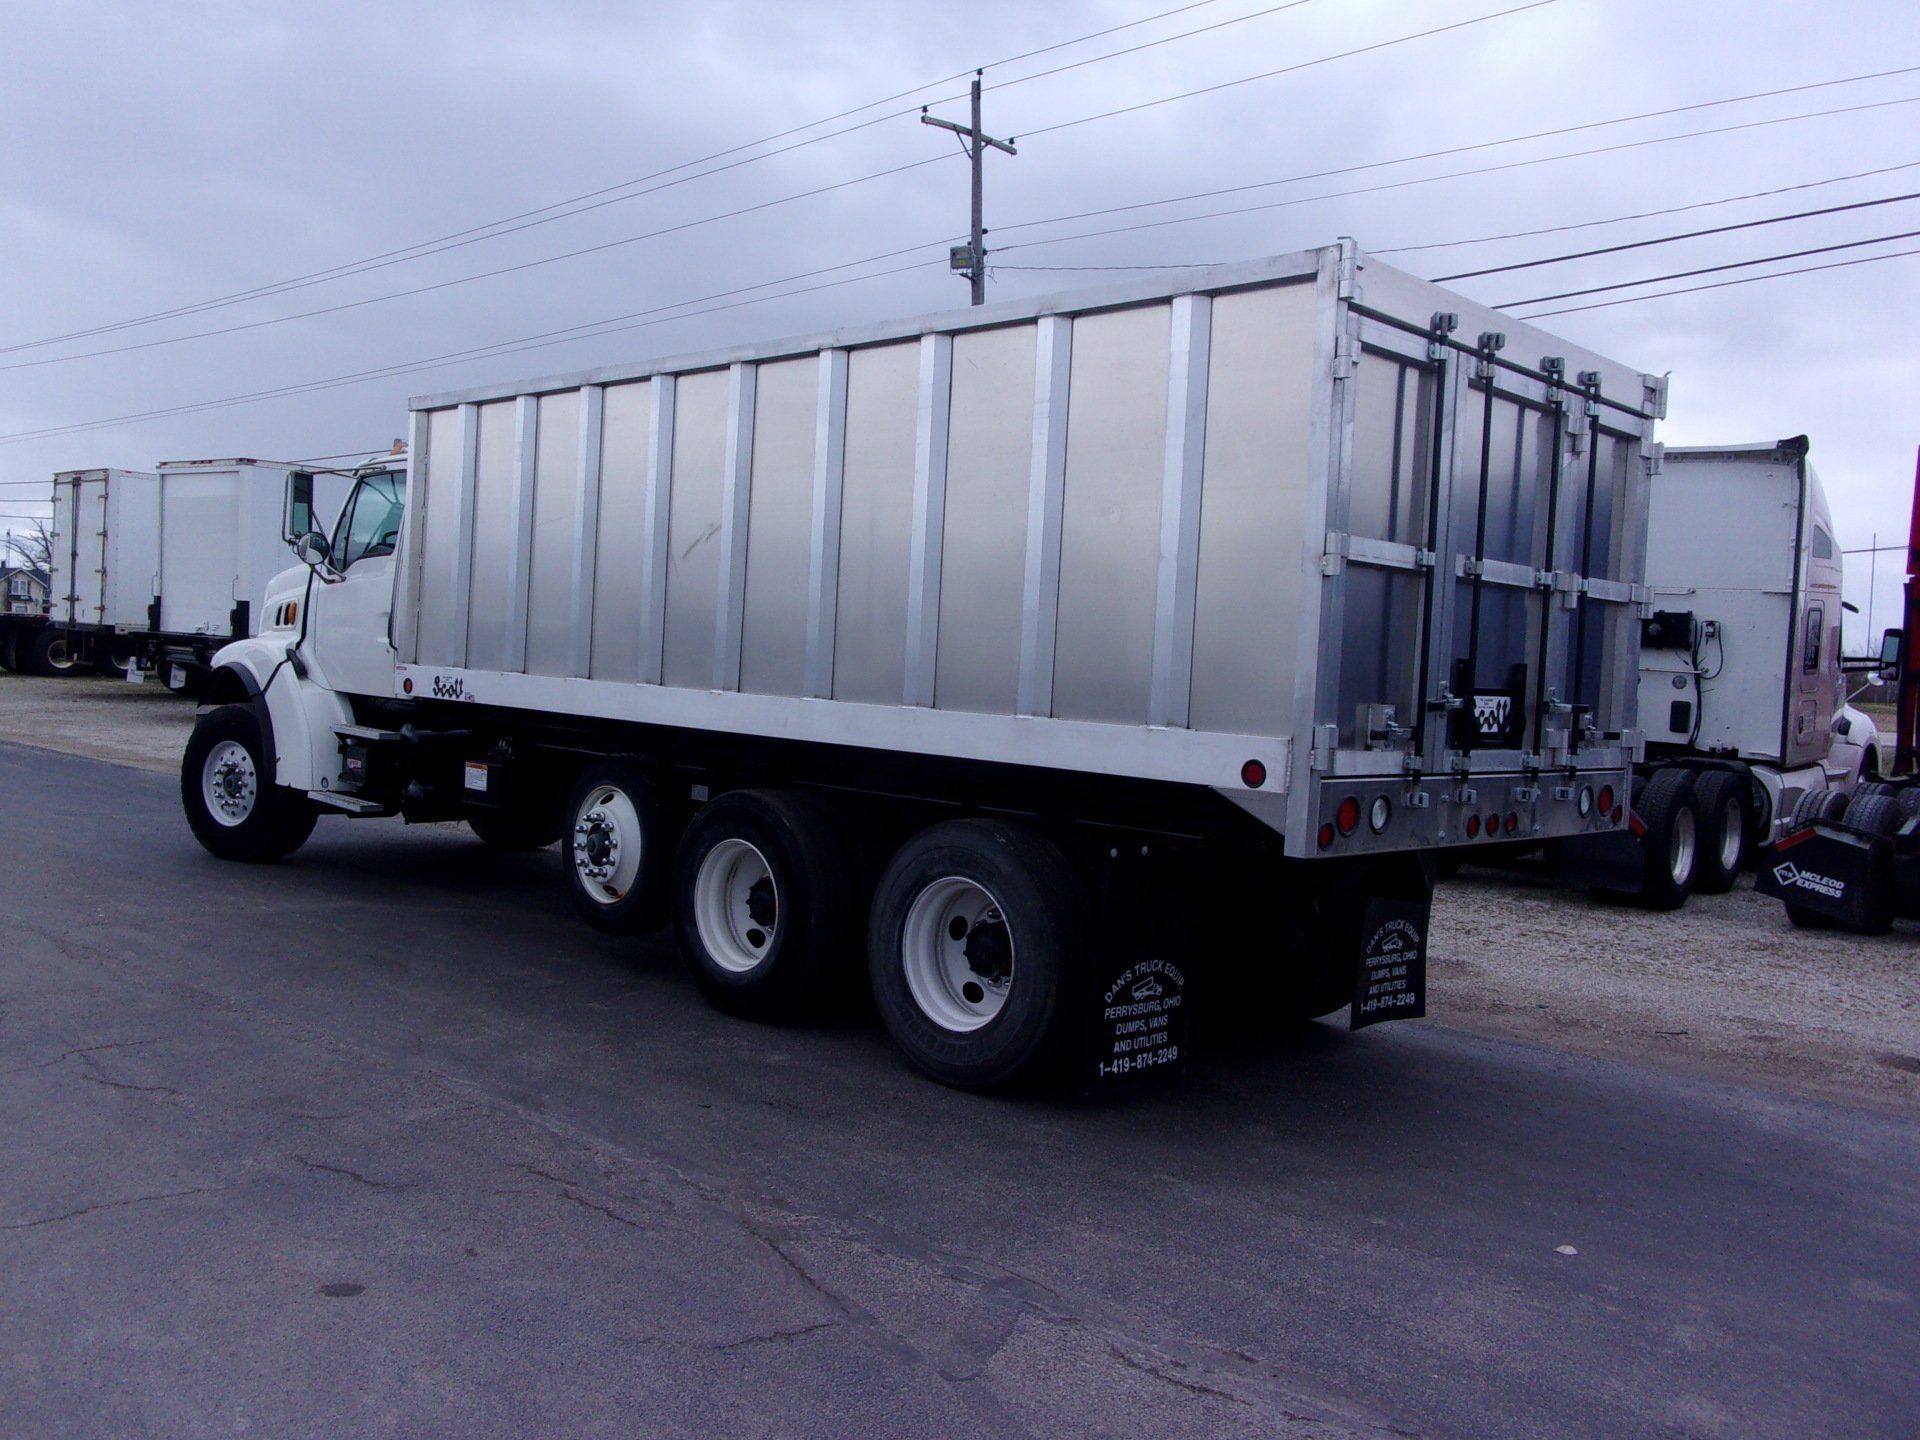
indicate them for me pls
(607, 845)
(957, 952)
(1680, 856)
(229, 785)
(1732, 836)
(736, 905)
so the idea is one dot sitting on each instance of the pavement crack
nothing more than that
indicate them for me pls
(99, 1079)
(607, 1210)
(355, 1175)
(778, 1337)
(1193, 1386)
(110, 1205)
(65, 1055)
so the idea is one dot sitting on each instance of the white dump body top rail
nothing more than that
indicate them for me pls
(1125, 532)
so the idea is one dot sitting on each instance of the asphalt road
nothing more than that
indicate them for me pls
(383, 1142)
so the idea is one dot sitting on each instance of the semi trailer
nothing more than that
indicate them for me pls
(1053, 656)
(154, 571)
(1741, 695)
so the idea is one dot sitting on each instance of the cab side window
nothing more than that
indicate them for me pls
(1822, 544)
(1816, 632)
(370, 525)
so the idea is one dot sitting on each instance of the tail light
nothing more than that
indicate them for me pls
(1473, 827)
(1606, 800)
(1513, 822)
(1347, 817)
(1326, 835)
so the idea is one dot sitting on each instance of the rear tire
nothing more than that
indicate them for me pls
(50, 652)
(976, 951)
(764, 905)
(1723, 800)
(226, 787)
(1671, 845)
(617, 859)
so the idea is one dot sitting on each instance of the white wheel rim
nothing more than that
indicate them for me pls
(59, 655)
(229, 785)
(1680, 857)
(1732, 836)
(736, 906)
(957, 951)
(607, 845)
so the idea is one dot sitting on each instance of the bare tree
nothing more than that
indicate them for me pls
(34, 546)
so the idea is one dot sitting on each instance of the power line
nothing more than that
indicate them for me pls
(698, 221)
(1710, 269)
(1673, 239)
(507, 225)
(1285, 69)
(1723, 284)
(1401, 184)
(532, 342)
(1521, 139)
(1642, 214)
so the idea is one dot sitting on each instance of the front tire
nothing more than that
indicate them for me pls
(235, 810)
(976, 951)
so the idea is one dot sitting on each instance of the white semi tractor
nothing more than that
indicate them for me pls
(1742, 698)
(1047, 654)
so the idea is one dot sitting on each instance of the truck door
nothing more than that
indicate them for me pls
(351, 623)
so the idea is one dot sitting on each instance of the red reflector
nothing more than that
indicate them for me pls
(407, 685)
(1493, 826)
(1326, 835)
(1513, 822)
(1615, 817)
(1473, 826)
(1635, 824)
(1794, 839)
(1606, 799)
(1347, 817)
(1253, 774)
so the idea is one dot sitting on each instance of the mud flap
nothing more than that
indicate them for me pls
(1824, 871)
(1140, 999)
(1390, 977)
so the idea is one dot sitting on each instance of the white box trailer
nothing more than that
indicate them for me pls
(156, 570)
(1299, 568)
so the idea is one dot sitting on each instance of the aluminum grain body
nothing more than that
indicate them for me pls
(1152, 530)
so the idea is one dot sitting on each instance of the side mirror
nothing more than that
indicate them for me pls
(312, 549)
(297, 517)
(1891, 644)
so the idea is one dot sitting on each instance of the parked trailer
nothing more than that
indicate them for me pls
(1740, 689)
(1064, 648)
(154, 571)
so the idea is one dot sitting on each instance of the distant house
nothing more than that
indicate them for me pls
(23, 591)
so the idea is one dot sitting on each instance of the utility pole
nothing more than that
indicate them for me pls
(971, 260)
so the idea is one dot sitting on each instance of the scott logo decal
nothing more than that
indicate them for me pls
(1791, 876)
(448, 688)
(1490, 712)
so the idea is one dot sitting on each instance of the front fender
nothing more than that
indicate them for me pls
(298, 714)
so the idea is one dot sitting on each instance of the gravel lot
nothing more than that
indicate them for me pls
(1725, 988)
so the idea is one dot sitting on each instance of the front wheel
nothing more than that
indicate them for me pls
(976, 951)
(226, 786)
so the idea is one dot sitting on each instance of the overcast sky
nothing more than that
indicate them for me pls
(161, 156)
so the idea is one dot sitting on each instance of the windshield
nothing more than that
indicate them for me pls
(370, 525)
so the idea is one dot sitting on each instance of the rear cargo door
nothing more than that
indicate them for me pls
(79, 551)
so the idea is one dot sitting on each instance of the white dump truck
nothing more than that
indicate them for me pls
(1048, 654)
(153, 571)
(1741, 694)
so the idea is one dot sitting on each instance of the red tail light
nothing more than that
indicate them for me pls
(1347, 817)
(1473, 826)
(1606, 800)
(1253, 774)
(1326, 835)
(1513, 822)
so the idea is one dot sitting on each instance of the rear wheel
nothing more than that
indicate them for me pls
(617, 861)
(1671, 844)
(111, 658)
(227, 789)
(1723, 799)
(763, 902)
(51, 652)
(975, 951)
